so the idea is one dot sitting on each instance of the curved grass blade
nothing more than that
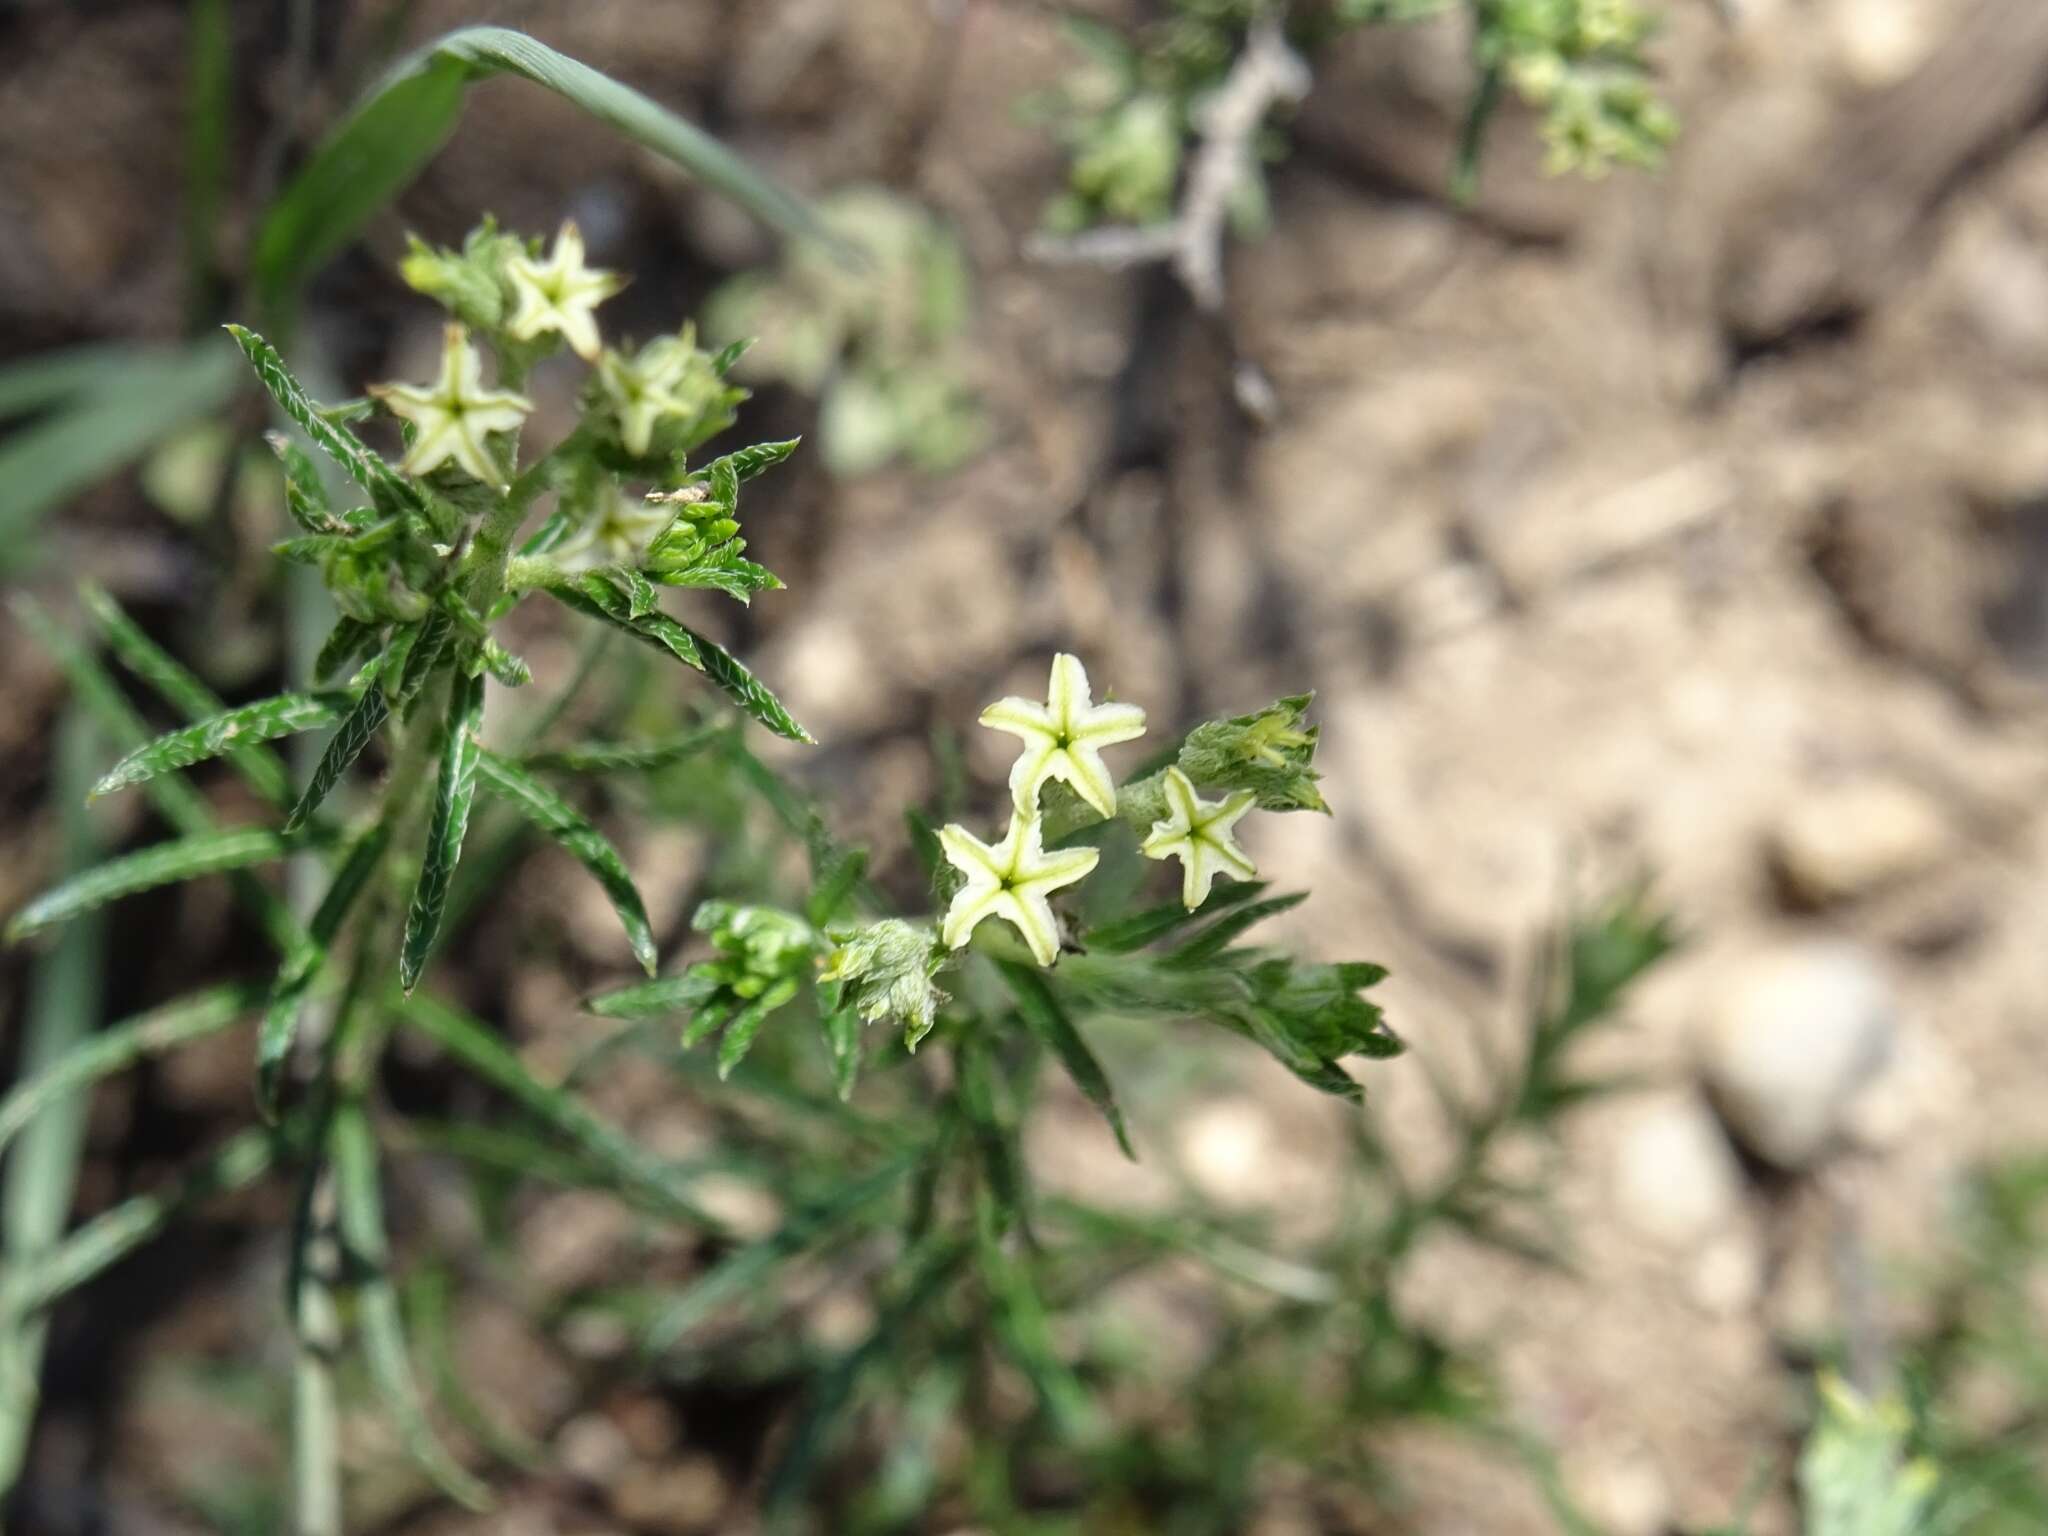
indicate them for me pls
(112, 1236)
(266, 720)
(454, 794)
(179, 687)
(635, 1171)
(746, 690)
(429, 1294)
(1043, 1015)
(167, 863)
(121, 1045)
(37, 1183)
(387, 489)
(399, 126)
(358, 729)
(569, 827)
(108, 423)
(287, 995)
(360, 1219)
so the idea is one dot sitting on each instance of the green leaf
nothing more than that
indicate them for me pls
(387, 489)
(454, 793)
(1133, 933)
(483, 1053)
(1220, 935)
(120, 1046)
(842, 1029)
(747, 691)
(141, 396)
(655, 999)
(422, 658)
(266, 720)
(360, 1212)
(295, 977)
(165, 864)
(305, 494)
(568, 826)
(176, 684)
(739, 1035)
(175, 800)
(347, 640)
(388, 139)
(358, 729)
(1043, 1015)
(758, 458)
(723, 570)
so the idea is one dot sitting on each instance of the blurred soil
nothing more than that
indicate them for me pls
(1694, 525)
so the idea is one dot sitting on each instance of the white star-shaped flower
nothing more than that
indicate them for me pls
(1197, 832)
(1010, 881)
(454, 414)
(617, 532)
(644, 389)
(559, 294)
(1064, 737)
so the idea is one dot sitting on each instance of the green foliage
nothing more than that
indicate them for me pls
(876, 341)
(1856, 1477)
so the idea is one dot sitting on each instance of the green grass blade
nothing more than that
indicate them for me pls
(112, 1236)
(360, 1205)
(103, 428)
(1043, 1015)
(175, 800)
(454, 794)
(746, 690)
(618, 757)
(483, 1053)
(391, 493)
(120, 1046)
(358, 729)
(185, 858)
(654, 999)
(287, 995)
(569, 827)
(746, 1270)
(48, 1103)
(386, 141)
(46, 379)
(284, 715)
(175, 683)
(209, 116)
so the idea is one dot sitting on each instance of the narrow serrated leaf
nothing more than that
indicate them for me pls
(739, 1035)
(615, 757)
(358, 729)
(569, 827)
(266, 720)
(390, 492)
(729, 354)
(654, 999)
(758, 458)
(422, 658)
(187, 858)
(641, 598)
(305, 497)
(746, 690)
(1133, 933)
(454, 793)
(1043, 1015)
(842, 1029)
(1220, 935)
(347, 640)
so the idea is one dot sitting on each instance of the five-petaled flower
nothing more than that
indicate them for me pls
(1010, 881)
(617, 532)
(645, 389)
(452, 416)
(559, 294)
(1197, 832)
(1064, 737)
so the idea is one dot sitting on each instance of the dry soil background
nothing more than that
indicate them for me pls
(1695, 525)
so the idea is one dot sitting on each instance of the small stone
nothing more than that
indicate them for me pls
(1795, 1034)
(1728, 1278)
(593, 1448)
(1855, 838)
(675, 1499)
(1675, 1178)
